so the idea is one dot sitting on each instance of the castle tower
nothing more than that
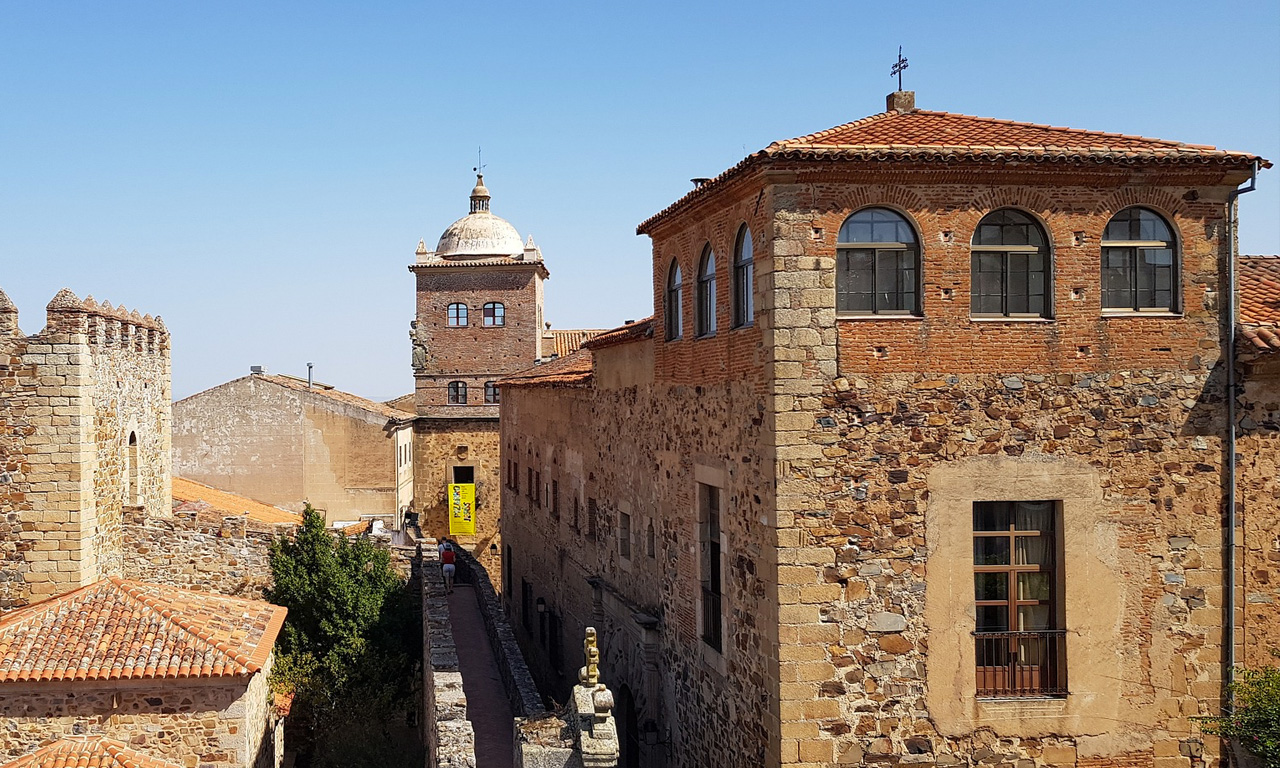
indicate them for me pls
(479, 318)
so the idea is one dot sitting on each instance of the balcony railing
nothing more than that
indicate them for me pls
(1021, 664)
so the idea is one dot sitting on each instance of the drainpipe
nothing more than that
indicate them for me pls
(1230, 318)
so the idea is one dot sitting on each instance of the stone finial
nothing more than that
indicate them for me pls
(901, 101)
(590, 674)
(89, 303)
(135, 316)
(160, 323)
(106, 308)
(65, 301)
(6, 305)
(422, 248)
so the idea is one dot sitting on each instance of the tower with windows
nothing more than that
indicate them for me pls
(479, 317)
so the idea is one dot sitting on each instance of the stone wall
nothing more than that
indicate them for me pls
(285, 445)
(207, 723)
(1258, 449)
(84, 434)
(446, 731)
(890, 429)
(439, 446)
(641, 450)
(198, 550)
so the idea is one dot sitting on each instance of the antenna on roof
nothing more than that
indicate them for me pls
(479, 165)
(898, 66)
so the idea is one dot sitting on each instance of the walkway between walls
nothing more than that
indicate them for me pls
(488, 707)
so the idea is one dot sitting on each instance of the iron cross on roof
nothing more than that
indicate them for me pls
(898, 66)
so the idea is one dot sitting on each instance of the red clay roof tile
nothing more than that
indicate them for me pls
(623, 334)
(87, 752)
(189, 491)
(574, 370)
(1259, 281)
(565, 343)
(122, 629)
(923, 135)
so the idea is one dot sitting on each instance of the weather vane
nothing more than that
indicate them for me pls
(898, 66)
(479, 165)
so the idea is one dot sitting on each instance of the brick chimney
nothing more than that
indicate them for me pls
(900, 101)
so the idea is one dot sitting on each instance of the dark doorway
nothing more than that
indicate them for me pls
(464, 474)
(628, 730)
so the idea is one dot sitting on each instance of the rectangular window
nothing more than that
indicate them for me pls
(651, 544)
(1020, 644)
(530, 490)
(624, 535)
(712, 586)
(526, 605)
(555, 499)
(537, 489)
(576, 508)
(879, 281)
(591, 518)
(515, 478)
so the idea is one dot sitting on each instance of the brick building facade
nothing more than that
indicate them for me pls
(915, 389)
(479, 317)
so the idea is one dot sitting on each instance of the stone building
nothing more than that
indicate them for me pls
(1259, 452)
(84, 437)
(175, 674)
(920, 459)
(284, 441)
(479, 317)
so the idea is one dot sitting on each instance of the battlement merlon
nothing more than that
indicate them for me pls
(8, 317)
(102, 325)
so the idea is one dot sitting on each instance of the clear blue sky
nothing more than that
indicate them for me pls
(259, 173)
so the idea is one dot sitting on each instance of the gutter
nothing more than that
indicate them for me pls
(1229, 597)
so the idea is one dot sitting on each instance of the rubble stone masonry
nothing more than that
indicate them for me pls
(84, 435)
(851, 451)
(1259, 494)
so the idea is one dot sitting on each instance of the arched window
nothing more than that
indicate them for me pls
(707, 293)
(491, 392)
(457, 393)
(877, 264)
(1139, 262)
(743, 279)
(457, 314)
(495, 314)
(1010, 257)
(131, 494)
(675, 302)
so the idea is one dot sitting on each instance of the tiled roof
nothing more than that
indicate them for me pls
(505, 262)
(564, 343)
(87, 752)
(404, 402)
(640, 329)
(573, 370)
(922, 135)
(191, 492)
(337, 395)
(120, 629)
(355, 529)
(1259, 280)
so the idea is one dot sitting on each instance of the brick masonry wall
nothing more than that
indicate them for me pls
(1259, 509)
(642, 448)
(72, 395)
(889, 433)
(474, 353)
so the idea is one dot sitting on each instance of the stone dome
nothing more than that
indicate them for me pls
(479, 233)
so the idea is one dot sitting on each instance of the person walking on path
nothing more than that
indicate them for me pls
(448, 560)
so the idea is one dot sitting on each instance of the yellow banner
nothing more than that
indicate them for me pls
(462, 509)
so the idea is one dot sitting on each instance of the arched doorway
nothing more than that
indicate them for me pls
(628, 721)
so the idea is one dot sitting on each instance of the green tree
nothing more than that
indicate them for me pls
(350, 643)
(1254, 721)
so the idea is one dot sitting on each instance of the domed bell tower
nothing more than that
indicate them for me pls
(478, 318)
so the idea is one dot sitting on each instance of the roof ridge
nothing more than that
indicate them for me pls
(827, 131)
(173, 615)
